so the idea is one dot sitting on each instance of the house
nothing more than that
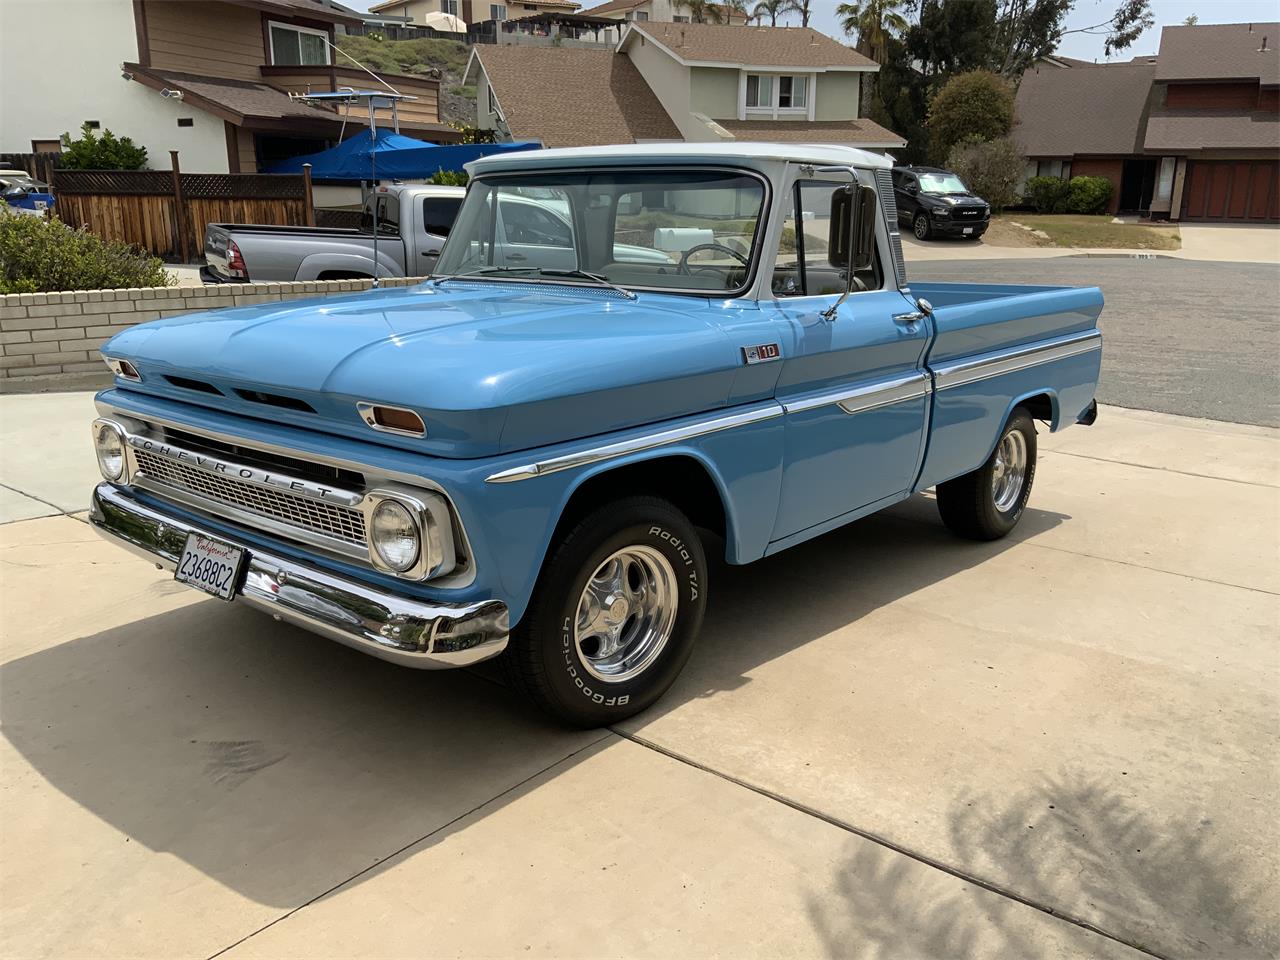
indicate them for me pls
(1192, 133)
(710, 82)
(661, 11)
(471, 11)
(209, 78)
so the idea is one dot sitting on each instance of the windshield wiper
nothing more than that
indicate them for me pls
(482, 271)
(583, 274)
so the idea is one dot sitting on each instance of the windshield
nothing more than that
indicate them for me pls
(690, 230)
(941, 183)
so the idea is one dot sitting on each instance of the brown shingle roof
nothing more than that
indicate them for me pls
(241, 98)
(752, 46)
(573, 97)
(1083, 110)
(857, 133)
(1187, 129)
(1220, 51)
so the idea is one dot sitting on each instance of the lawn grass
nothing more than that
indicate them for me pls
(405, 56)
(1075, 230)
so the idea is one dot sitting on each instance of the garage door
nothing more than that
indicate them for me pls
(1232, 190)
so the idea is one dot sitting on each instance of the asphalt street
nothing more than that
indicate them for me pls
(1184, 337)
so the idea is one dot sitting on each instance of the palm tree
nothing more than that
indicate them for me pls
(874, 21)
(704, 11)
(773, 9)
(736, 8)
(802, 7)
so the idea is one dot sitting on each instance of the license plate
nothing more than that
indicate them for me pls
(968, 229)
(209, 565)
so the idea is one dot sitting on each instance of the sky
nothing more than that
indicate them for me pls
(1085, 14)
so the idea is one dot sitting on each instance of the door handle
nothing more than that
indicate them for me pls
(431, 253)
(516, 257)
(906, 319)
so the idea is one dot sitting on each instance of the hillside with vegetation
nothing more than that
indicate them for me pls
(442, 59)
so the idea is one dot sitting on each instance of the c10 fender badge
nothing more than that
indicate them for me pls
(761, 353)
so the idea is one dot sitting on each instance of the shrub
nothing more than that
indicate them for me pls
(450, 178)
(974, 105)
(38, 256)
(1046, 194)
(991, 169)
(106, 152)
(1088, 194)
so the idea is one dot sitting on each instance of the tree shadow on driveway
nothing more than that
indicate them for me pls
(279, 763)
(1070, 843)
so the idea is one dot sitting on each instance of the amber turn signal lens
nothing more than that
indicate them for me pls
(396, 419)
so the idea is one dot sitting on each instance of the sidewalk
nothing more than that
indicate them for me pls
(1219, 242)
(1080, 717)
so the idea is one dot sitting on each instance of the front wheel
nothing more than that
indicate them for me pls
(987, 503)
(921, 227)
(614, 616)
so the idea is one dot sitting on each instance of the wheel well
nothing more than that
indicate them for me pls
(681, 480)
(1040, 407)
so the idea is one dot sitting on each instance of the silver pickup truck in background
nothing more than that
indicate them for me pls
(413, 220)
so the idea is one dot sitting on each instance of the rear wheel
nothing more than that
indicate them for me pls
(614, 616)
(987, 503)
(921, 227)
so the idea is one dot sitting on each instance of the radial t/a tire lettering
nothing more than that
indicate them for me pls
(614, 615)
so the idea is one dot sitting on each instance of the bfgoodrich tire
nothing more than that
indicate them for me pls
(614, 616)
(987, 503)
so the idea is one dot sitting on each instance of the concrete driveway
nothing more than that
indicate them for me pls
(889, 743)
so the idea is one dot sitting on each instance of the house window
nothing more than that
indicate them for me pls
(791, 91)
(450, 7)
(1054, 168)
(293, 46)
(497, 11)
(759, 91)
(766, 92)
(1164, 184)
(638, 15)
(680, 18)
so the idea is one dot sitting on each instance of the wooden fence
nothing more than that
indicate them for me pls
(165, 212)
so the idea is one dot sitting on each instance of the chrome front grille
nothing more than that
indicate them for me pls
(327, 519)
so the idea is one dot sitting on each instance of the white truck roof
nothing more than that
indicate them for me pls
(642, 154)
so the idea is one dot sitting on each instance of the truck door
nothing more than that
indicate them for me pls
(438, 214)
(534, 232)
(853, 386)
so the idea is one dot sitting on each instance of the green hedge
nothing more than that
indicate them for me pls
(43, 256)
(1079, 195)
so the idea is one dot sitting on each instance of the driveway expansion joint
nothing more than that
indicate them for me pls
(922, 858)
(413, 843)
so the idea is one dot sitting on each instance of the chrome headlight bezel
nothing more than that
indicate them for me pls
(433, 525)
(109, 428)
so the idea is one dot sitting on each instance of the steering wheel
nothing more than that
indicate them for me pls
(683, 265)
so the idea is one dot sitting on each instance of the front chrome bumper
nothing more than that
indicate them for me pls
(410, 632)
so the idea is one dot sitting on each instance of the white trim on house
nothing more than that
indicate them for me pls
(323, 34)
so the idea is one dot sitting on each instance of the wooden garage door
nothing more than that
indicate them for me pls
(1232, 190)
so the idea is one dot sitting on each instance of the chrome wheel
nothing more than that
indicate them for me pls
(625, 614)
(1010, 471)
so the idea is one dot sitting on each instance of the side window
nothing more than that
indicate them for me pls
(438, 214)
(388, 216)
(526, 222)
(802, 268)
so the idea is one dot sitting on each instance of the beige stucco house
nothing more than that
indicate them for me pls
(710, 83)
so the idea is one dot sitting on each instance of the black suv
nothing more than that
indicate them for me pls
(936, 203)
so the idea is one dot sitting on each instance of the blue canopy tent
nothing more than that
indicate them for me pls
(397, 157)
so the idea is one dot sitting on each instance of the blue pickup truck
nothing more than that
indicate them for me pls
(530, 454)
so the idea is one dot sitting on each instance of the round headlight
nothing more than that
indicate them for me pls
(394, 536)
(109, 446)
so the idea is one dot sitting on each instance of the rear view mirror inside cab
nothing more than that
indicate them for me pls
(852, 239)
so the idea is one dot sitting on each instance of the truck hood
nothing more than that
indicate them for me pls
(490, 367)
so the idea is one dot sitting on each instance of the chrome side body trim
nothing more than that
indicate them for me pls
(410, 632)
(867, 396)
(634, 445)
(973, 369)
